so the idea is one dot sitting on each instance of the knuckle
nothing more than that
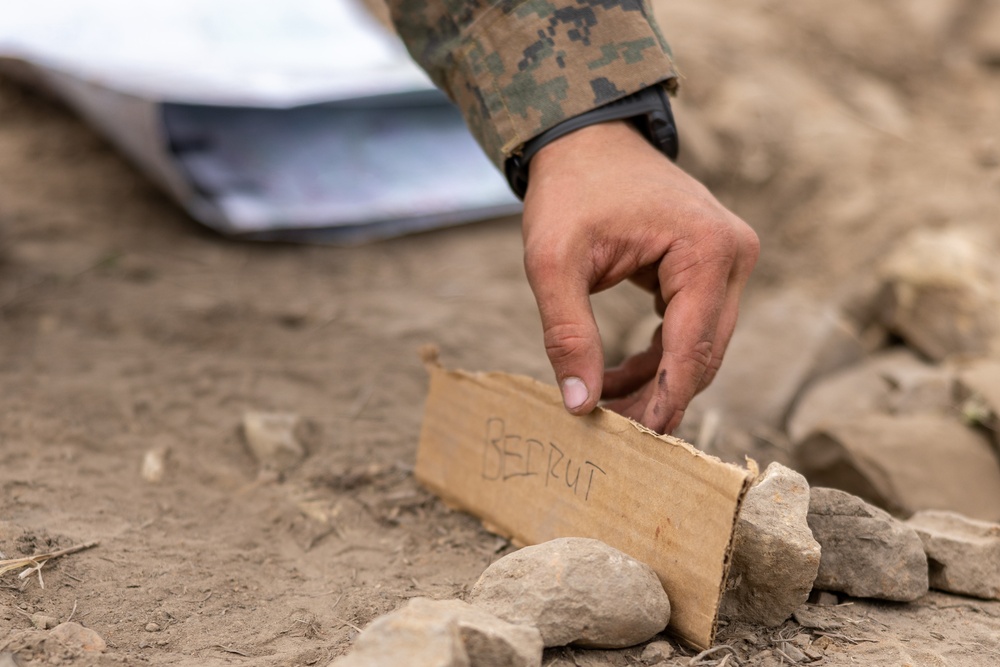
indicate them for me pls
(565, 342)
(699, 357)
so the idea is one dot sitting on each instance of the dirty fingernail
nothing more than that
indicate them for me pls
(574, 393)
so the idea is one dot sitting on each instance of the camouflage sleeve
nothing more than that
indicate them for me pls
(517, 67)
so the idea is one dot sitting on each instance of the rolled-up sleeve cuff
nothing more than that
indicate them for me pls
(524, 67)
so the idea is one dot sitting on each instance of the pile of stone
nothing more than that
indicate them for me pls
(791, 539)
(567, 591)
(893, 395)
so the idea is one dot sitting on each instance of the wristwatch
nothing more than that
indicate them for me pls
(648, 109)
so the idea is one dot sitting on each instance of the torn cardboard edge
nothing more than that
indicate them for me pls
(502, 448)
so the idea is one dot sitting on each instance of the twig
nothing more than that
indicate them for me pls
(786, 656)
(347, 623)
(837, 635)
(697, 660)
(204, 599)
(72, 613)
(36, 562)
(230, 649)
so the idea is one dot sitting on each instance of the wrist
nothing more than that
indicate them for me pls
(597, 139)
(648, 110)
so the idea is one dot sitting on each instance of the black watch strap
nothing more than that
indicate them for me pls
(648, 109)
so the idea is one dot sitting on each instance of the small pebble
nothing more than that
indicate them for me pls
(657, 652)
(75, 635)
(152, 627)
(43, 622)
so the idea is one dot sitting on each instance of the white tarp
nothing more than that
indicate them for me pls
(299, 119)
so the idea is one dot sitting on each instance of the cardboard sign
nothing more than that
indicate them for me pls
(503, 448)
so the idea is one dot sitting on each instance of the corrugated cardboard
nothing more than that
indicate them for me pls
(503, 448)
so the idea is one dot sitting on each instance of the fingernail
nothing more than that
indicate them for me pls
(574, 393)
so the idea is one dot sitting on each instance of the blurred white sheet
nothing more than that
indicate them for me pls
(267, 96)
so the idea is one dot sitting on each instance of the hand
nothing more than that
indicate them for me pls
(603, 206)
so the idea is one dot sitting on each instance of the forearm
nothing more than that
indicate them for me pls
(516, 69)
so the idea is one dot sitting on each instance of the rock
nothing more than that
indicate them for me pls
(866, 552)
(272, 439)
(657, 652)
(444, 633)
(919, 388)
(978, 392)
(939, 296)
(75, 635)
(853, 392)
(43, 622)
(964, 554)
(906, 463)
(7, 659)
(784, 341)
(775, 558)
(154, 464)
(817, 618)
(576, 591)
(153, 627)
(895, 381)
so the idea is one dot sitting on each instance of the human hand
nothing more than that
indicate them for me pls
(603, 206)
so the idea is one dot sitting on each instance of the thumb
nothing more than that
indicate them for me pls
(572, 341)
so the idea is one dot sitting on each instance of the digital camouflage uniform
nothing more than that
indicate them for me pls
(517, 67)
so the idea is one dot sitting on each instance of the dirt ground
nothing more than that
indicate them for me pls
(126, 327)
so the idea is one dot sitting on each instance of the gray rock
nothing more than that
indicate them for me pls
(444, 633)
(906, 463)
(576, 591)
(964, 554)
(939, 295)
(657, 652)
(785, 340)
(866, 552)
(775, 558)
(978, 393)
(920, 388)
(272, 439)
(895, 381)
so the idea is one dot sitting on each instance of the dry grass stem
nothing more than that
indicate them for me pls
(72, 613)
(347, 623)
(700, 658)
(35, 563)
